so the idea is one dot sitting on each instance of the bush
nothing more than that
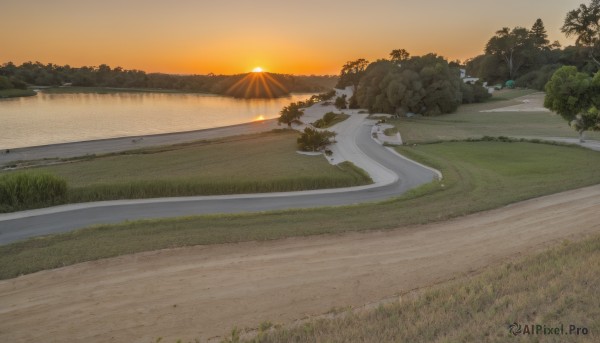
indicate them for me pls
(340, 102)
(537, 79)
(18, 84)
(326, 121)
(314, 140)
(5, 83)
(473, 93)
(24, 190)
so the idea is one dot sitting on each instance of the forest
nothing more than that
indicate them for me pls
(39, 74)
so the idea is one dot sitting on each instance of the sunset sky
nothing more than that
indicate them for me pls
(235, 36)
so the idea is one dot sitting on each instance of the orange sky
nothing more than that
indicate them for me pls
(235, 36)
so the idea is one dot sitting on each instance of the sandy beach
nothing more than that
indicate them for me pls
(102, 146)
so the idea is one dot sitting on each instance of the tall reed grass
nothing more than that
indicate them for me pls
(190, 187)
(25, 190)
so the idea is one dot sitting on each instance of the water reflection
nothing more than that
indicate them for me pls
(57, 118)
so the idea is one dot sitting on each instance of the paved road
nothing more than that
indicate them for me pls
(21, 225)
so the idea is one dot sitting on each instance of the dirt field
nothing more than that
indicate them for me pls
(528, 103)
(202, 292)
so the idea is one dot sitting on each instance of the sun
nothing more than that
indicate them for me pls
(257, 70)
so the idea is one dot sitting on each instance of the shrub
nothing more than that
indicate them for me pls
(340, 102)
(18, 84)
(326, 121)
(537, 79)
(314, 140)
(5, 83)
(24, 190)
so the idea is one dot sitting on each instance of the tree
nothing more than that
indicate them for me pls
(584, 23)
(511, 46)
(399, 55)
(575, 97)
(290, 115)
(315, 140)
(422, 84)
(352, 72)
(539, 36)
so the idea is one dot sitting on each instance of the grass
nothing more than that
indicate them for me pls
(14, 93)
(509, 94)
(330, 119)
(19, 190)
(242, 164)
(557, 286)
(469, 122)
(472, 171)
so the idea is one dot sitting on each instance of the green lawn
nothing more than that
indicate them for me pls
(558, 286)
(469, 122)
(257, 163)
(15, 93)
(472, 172)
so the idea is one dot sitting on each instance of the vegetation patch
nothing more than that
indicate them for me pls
(561, 289)
(330, 119)
(30, 189)
(472, 171)
(470, 122)
(15, 93)
(242, 164)
(315, 140)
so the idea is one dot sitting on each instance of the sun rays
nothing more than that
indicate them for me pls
(257, 84)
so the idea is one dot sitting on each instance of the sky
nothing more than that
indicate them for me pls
(236, 36)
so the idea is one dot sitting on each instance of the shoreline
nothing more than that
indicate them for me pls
(117, 144)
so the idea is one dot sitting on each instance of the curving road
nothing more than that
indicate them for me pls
(395, 176)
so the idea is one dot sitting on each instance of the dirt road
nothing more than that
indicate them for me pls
(201, 292)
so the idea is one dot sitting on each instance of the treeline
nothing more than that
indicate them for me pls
(6, 83)
(427, 85)
(36, 73)
(527, 57)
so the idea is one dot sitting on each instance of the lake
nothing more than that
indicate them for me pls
(69, 117)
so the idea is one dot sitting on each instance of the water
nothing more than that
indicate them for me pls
(59, 118)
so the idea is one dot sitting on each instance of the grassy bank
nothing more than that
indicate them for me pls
(256, 163)
(472, 172)
(561, 288)
(15, 93)
(469, 122)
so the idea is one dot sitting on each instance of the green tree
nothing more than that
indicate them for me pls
(315, 140)
(511, 46)
(584, 23)
(422, 84)
(538, 35)
(574, 96)
(399, 55)
(290, 115)
(352, 72)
